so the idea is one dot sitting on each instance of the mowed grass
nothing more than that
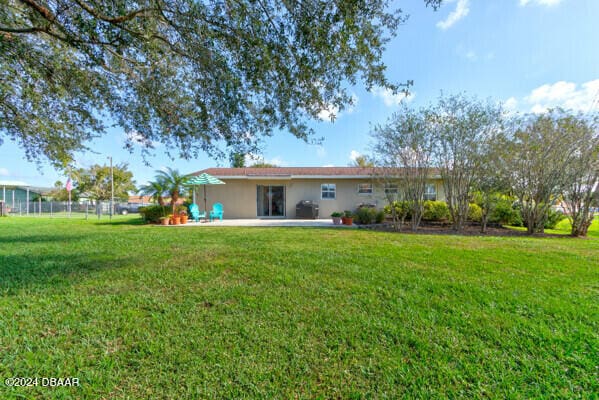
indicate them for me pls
(142, 312)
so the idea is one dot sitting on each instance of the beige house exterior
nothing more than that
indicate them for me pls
(275, 192)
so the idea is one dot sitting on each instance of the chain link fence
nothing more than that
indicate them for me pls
(58, 209)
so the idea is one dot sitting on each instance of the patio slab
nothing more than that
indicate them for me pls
(322, 223)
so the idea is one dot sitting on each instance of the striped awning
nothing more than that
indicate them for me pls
(203, 179)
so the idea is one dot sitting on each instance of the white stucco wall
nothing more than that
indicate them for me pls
(239, 196)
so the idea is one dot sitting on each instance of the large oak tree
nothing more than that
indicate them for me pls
(194, 75)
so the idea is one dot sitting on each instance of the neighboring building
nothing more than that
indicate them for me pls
(274, 192)
(140, 199)
(13, 193)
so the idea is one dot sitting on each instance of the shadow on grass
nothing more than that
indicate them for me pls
(28, 239)
(118, 222)
(43, 270)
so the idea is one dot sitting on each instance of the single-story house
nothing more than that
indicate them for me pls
(14, 192)
(274, 192)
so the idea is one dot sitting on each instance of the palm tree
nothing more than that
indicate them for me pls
(156, 189)
(173, 182)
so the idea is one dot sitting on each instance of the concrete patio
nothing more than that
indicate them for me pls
(321, 223)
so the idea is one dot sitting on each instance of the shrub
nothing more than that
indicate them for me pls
(435, 211)
(402, 209)
(336, 214)
(475, 213)
(553, 218)
(505, 214)
(380, 217)
(154, 213)
(365, 215)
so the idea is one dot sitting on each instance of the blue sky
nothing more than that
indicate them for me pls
(529, 54)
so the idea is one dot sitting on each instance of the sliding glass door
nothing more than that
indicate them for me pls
(270, 201)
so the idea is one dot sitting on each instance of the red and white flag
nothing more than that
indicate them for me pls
(69, 186)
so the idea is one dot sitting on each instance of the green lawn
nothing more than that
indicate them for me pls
(144, 312)
(564, 227)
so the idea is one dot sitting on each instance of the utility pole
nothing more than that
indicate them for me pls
(111, 188)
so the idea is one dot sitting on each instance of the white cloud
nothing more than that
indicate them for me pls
(548, 3)
(254, 159)
(4, 172)
(563, 94)
(328, 165)
(471, 55)
(462, 9)
(353, 155)
(510, 104)
(391, 99)
(331, 112)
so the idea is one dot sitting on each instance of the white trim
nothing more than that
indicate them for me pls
(335, 191)
(367, 193)
(288, 177)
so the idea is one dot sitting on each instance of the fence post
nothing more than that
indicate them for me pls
(51, 214)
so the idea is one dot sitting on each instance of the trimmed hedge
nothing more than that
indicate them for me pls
(368, 216)
(475, 213)
(435, 211)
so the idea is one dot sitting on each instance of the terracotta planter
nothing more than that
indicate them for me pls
(336, 220)
(184, 219)
(164, 221)
(347, 220)
(176, 221)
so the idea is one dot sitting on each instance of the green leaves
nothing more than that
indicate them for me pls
(96, 181)
(195, 76)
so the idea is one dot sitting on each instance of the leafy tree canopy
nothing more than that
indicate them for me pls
(60, 193)
(262, 164)
(95, 182)
(362, 161)
(194, 75)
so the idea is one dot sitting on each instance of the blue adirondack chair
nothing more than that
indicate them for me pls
(217, 211)
(195, 213)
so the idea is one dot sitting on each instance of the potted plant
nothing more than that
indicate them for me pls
(175, 219)
(336, 217)
(348, 218)
(164, 220)
(184, 217)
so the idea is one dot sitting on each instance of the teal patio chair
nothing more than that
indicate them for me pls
(217, 211)
(194, 212)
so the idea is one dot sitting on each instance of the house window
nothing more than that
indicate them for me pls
(430, 192)
(327, 191)
(365, 188)
(391, 188)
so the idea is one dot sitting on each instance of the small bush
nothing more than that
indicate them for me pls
(402, 208)
(154, 213)
(380, 217)
(553, 218)
(365, 215)
(505, 214)
(435, 211)
(475, 213)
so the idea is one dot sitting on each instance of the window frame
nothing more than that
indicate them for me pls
(428, 195)
(370, 193)
(328, 190)
(391, 186)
